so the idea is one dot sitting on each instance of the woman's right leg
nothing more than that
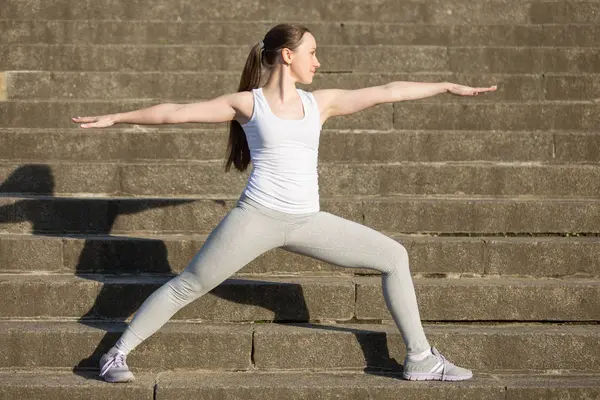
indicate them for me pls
(244, 234)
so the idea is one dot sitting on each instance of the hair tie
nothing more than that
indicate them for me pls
(261, 44)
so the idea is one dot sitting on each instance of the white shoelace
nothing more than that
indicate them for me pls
(116, 361)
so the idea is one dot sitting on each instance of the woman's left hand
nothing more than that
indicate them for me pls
(461, 90)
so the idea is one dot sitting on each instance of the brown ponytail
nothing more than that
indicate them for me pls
(279, 37)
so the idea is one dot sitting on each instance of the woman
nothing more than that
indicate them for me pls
(278, 127)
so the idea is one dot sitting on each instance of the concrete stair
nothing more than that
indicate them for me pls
(431, 256)
(336, 58)
(300, 385)
(212, 32)
(306, 298)
(508, 12)
(181, 86)
(285, 347)
(160, 144)
(494, 197)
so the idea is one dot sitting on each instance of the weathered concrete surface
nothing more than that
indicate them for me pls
(435, 12)
(3, 92)
(172, 216)
(481, 348)
(501, 299)
(547, 387)
(568, 35)
(434, 179)
(319, 385)
(36, 384)
(60, 178)
(399, 215)
(235, 300)
(359, 386)
(305, 298)
(523, 60)
(176, 345)
(327, 33)
(429, 255)
(333, 58)
(400, 116)
(410, 145)
(214, 58)
(25, 253)
(551, 257)
(184, 86)
(137, 144)
(577, 147)
(581, 87)
(583, 116)
(168, 179)
(564, 12)
(37, 114)
(166, 254)
(355, 179)
(160, 143)
(129, 144)
(484, 215)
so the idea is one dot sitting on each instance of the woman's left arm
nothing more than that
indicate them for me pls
(334, 102)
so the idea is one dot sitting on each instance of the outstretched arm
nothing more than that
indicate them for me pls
(334, 102)
(221, 109)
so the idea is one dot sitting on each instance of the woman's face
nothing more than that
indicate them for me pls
(304, 60)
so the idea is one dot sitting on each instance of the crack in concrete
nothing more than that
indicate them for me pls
(253, 350)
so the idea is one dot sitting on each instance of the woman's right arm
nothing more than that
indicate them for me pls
(221, 109)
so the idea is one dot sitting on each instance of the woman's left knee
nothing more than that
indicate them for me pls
(397, 259)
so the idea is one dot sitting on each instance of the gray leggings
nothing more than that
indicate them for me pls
(251, 229)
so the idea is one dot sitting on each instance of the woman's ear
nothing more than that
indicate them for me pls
(286, 55)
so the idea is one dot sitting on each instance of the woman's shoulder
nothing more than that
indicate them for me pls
(243, 103)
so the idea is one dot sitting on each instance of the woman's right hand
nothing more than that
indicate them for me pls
(102, 121)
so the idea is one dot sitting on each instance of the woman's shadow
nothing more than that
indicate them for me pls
(103, 255)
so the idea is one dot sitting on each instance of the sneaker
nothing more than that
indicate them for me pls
(434, 367)
(113, 367)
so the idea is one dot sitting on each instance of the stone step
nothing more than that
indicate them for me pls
(38, 384)
(35, 384)
(327, 33)
(335, 179)
(369, 385)
(503, 116)
(208, 179)
(480, 215)
(188, 86)
(340, 298)
(373, 385)
(333, 58)
(558, 115)
(429, 256)
(410, 214)
(245, 347)
(432, 12)
(58, 114)
(161, 143)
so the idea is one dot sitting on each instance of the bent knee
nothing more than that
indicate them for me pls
(185, 288)
(397, 259)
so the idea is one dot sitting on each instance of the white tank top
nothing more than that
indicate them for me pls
(284, 156)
